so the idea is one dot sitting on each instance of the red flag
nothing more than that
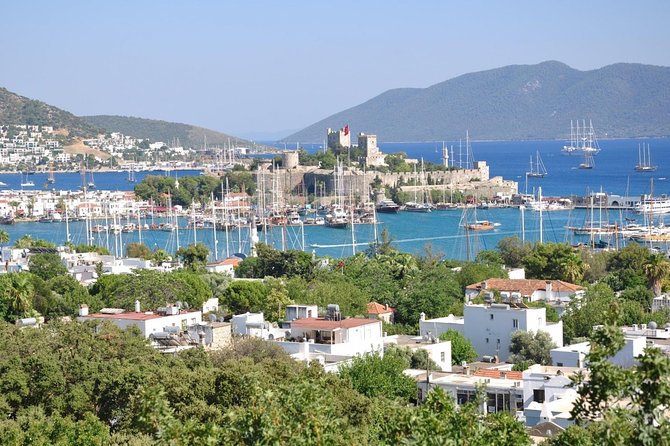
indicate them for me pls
(346, 130)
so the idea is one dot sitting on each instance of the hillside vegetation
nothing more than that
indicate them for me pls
(16, 109)
(156, 130)
(515, 102)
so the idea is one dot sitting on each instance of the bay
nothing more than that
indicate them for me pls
(411, 232)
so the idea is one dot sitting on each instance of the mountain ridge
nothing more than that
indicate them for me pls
(515, 102)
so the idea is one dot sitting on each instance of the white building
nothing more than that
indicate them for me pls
(548, 395)
(438, 351)
(527, 290)
(490, 327)
(574, 355)
(504, 388)
(171, 319)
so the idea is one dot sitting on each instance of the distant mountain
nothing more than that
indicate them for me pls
(16, 109)
(187, 135)
(515, 102)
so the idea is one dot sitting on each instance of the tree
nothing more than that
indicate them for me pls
(194, 257)
(656, 269)
(139, 250)
(16, 293)
(152, 288)
(513, 251)
(583, 314)
(644, 388)
(462, 349)
(529, 346)
(374, 375)
(46, 265)
(4, 237)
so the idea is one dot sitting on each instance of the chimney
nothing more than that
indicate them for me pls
(548, 291)
(137, 306)
(422, 316)
(83, 310)
(483, 285)
(466, 370)
(386, 307)
(503, 374)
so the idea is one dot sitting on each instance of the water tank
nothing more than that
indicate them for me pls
(652, 325)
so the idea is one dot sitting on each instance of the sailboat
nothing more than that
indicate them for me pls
(644, 159)
(51, 179)
(131, 174)
(589, 162)
(572, 148)
(537, 171)
(91, 183)
(26, 182)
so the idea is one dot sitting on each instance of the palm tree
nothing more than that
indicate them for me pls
(656, 269)
(4, 237)
(20, 294)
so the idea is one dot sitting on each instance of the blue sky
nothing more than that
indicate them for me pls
(255, 67)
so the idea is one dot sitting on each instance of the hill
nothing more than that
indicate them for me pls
(155, 130)
(16, 109)
(515, 102)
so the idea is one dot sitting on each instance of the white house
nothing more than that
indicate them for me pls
(490, 327)
(548, 395)
(345, 337)
(504, 388)
(574, 355)
(166, 319)
(527, 290)
(438, 351)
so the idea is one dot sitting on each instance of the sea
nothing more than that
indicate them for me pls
(437, 232)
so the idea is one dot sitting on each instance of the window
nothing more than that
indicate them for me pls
(538, 395)
(443, 357)
(487, 340)
(515, 323)
(559, 364)
(491, 316)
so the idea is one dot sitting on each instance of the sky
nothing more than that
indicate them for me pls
(263, 69)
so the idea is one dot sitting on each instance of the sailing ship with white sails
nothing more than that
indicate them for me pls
(538, 170)
(644, 159)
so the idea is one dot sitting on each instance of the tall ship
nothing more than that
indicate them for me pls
(644, 159)
(582, 139)
(538, 170)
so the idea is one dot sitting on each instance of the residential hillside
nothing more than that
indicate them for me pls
(16, 109)
(515, 102)
(169, 132)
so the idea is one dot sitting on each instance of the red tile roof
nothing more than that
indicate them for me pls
(526, 286)
(497, 374)
(322, 324)
(377, 308)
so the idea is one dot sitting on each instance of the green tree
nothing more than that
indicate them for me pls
(46, 265)
(531, 346)
(374, 375)
(583, 314)
(4, 237)
(644, 388)
(462, 349)
(656, 268)
(139, 250)
(513, 251)
(194, 257)
(16, 293)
